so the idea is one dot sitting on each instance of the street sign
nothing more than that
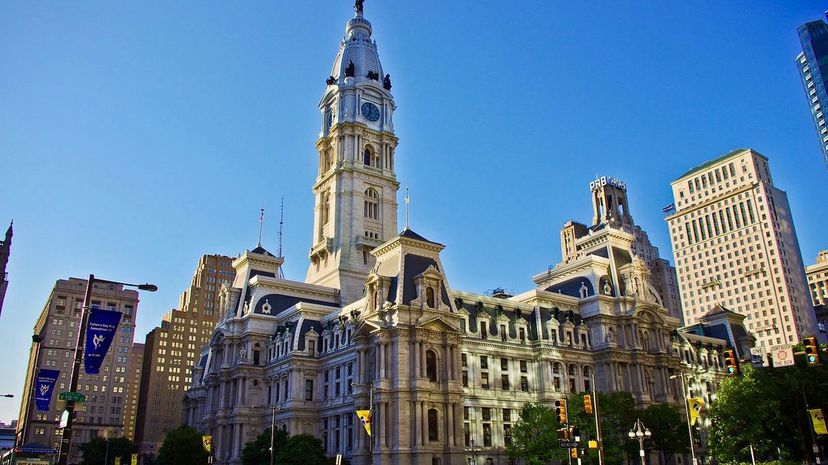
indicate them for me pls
(72, 397)
(758, 358)
(782, 355)
(568, 444)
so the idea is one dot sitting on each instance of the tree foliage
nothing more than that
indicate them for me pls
(669, 428)
(95, 451)
(534, 436)
(182, 446)
(777, 419)
(257, 452)
(302, 449)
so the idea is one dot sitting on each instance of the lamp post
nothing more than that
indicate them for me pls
(680, 376)
(374, 430)
(66, 436)
(273, 409)
(640, 432)
(472, 450)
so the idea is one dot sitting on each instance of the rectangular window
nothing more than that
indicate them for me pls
(484, 333)
(487, 413)
(308, 389)
(504, 364)
(484, 362)
(464, 360)
(524, 384)
(523, 366)
(484, 382)
(507, 414)
(504, 382)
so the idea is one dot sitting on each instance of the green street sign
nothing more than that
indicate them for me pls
(72, 397)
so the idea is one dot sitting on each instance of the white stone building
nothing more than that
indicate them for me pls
(377, 318)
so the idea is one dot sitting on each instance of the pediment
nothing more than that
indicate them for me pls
(437, 324)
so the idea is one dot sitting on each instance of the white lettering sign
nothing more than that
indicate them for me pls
(782, 355)
(607, 180)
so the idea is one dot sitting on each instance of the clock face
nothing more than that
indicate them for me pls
(370, 111)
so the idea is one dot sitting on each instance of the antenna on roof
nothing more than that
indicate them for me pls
(261, 223)
(407, 207)
(281, 223)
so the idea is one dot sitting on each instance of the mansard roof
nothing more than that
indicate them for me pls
(408, 233)
(279, 302)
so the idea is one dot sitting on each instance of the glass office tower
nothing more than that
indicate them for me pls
(813, 68)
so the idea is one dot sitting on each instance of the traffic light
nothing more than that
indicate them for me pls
(560, 409)
(588, 404)
(731, 364)
(573, 452)
(811, 350)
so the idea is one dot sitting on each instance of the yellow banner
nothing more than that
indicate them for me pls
(134, 460)
(819, 421)
(117, 460)
(696, 404)
(207, 442)
(365, 417)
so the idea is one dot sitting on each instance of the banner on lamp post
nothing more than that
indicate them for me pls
(100, 331)
(44, 385)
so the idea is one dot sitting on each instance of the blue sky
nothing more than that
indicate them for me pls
(136, 137)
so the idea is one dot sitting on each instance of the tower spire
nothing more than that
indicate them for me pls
(281, 223)
(261, 223)
(358, 7)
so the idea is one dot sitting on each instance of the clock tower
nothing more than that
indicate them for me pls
(355, 189)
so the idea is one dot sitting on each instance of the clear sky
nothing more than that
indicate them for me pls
(135, 137)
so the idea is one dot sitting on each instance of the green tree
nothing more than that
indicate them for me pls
(257, 451)
(534, 436)
(302, 449)
(182, 446)
(95, 451)
(762, 408)
(669, 428)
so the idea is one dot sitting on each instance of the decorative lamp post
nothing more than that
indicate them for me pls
(66, 437)
(473, 450)
(273, 409)
(640, 432)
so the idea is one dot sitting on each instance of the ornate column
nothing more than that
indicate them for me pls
(450, 428)
(418, 424)
(416, 373)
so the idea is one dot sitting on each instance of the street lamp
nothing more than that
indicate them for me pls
(66, 436)
(472, 450)
(687, 414)
(640, 432)
(273, 409)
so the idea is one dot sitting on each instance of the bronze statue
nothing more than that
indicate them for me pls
(349, 71)
(386, 83)
(358, 7)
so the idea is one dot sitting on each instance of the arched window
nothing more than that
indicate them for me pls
(326, 207)
(328, 160)
(430, 297)
(433, 434)
(366, 156)
(431, 365)
(257, 351)
(371, 204)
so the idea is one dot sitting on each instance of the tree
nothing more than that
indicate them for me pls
(302, 449)
(182, 446)
(103, 451)
(257, 451)
(669, 429)
(534, 436)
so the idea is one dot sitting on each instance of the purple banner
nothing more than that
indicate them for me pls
(100, 331)
(44, 385)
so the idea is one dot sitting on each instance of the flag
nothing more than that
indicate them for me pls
(819, 421)
(365, 417)
(669, 208)
(100, 331)
(44, 385)
(696, 405)
(207, 442)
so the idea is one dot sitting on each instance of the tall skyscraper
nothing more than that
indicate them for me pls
(133, 370)
(735, 245)
(103, 412)
(5, 252)
(172, 348)
(812, 63)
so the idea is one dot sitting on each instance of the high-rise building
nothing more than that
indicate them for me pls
(818, 278)
(812, 63)
(376, 324)
(735, 245)
(5, 252)
(133, 370)
(173, 347)
(102, 414)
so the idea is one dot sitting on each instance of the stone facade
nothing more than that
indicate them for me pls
(377, 326)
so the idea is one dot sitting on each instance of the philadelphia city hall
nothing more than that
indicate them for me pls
(376, 324)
